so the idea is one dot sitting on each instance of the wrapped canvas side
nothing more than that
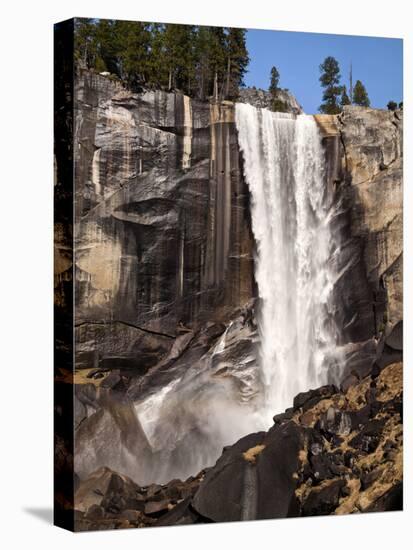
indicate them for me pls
(63, 276)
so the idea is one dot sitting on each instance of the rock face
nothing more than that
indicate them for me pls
(373, 148)
(164, 236)
(164, 271)
(165, 301)
(262, 99)
(333, 453)
(365, 155)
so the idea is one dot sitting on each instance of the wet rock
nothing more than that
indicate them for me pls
(350, 380)
(253, 479)
(181, 514)
(308, 399)
(156, 508)
(324, 501)
(360, 417)
(121, 493)
(368, 478)
(372, 140)
(387, 357)
(321, 467)
(115, 422)
(112, 380)
(92, 490)
(369, 436)
(132, 516)
(96, 373)
(335, 422)
(220, 495)
(95, 512)
(391, 501)
(395, 337)
(285, 416)
(151, 201)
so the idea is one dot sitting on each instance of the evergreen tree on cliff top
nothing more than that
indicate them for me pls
(203, 67)
(85, 42)
(277, 105)
(108, 44)
(217, 60)
(178, 42)
(134, 39)
(237, 61)
(345, 100)
(274, 80)
(360, 96)
(330, 81)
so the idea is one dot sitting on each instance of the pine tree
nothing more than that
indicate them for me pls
(85, 42)
(133, 50)
(345, 100)
(236, 61)
(330, 81)
(107, 46)
(179, 56)
(217, 60)
(274, 80)
(392, 105)
(202, 46)
(157, 73)
(277, 105)
(360, 96)
(201, 61)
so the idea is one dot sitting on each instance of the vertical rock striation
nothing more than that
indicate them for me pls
(365, 151)
(164, 263)
(164, 274)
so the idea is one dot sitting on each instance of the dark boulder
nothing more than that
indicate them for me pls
(95, 512)
(391, 501)
(220, 495)
(156, 508)
(368, 438)
(254, 479)
(394, 340)
(324, 501)
(306, 400)
(121, 494)
(181, 514)
(335, 422)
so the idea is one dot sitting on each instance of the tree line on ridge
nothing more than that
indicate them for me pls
(201, 61)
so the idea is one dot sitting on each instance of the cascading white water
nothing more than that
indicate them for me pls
(219, 398)
(292, 210)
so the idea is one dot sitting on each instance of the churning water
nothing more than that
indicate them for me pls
(292, 214)
(187, 422)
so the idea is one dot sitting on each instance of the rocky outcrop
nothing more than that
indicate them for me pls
(165, 330)
(365, 153)
(164, 262)
(373, 149)
(334, 452)
(163, 235)
(263, 99)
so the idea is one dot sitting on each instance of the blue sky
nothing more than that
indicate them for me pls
(377, 62)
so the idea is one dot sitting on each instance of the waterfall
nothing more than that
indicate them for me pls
(292, 213)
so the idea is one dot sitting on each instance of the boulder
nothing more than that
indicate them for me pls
(156, 508)
(306, 400)
(254, 478)
(324, 500)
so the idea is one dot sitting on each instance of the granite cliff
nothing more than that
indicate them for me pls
(165, 294)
